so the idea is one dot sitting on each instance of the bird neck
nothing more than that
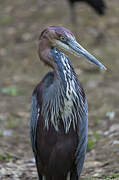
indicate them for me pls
(57, 60)
(45, 55)
(63, 68)
(67, 100)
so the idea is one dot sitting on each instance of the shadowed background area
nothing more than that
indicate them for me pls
(21, 23)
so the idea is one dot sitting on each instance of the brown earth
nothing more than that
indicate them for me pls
(20, 70)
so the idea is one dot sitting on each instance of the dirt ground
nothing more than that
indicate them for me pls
(21, 22)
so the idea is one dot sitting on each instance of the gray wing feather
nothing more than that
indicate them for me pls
(82, 135)
(33, 122)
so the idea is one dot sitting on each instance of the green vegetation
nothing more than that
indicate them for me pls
(6, 157)
(1, 157)
(86, 179)
(6, 19)
(1, 133)
(13, 123)
(90, 144)
(112, 176)
(11, 90)
(96, 135)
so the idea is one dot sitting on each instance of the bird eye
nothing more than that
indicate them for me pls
(62, 38)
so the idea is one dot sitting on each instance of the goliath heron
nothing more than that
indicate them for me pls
(59, 110)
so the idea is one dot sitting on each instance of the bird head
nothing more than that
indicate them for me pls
(56, 36)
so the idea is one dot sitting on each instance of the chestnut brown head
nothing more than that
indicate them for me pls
(60, 37)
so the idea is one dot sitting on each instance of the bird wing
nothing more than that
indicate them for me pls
(33, 121)
(82, 128)
(82, 140)
(36, 106)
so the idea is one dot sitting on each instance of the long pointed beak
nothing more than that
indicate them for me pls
(78, 50)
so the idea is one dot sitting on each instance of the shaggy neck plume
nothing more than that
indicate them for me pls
(67, 98)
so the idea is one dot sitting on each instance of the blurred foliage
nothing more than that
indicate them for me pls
(86, 179)
(112, 176)
(6, 157)
(13, 123)
(96, 135)
(5, 19)
(11, 90)
(90, 144)
(1, 133)
(1, 157)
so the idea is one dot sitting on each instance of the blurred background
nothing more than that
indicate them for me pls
(21, 23)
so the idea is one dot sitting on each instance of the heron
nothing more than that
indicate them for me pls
(59, 109)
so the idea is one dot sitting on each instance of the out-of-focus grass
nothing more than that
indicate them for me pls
(1, 157)
(93, 140)
(13, 123)
(1, 133)
(96, 135)
(86, 179)
(113, 176)
(11, 90)
(90, 144)
(6, 19)
(6, 157)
